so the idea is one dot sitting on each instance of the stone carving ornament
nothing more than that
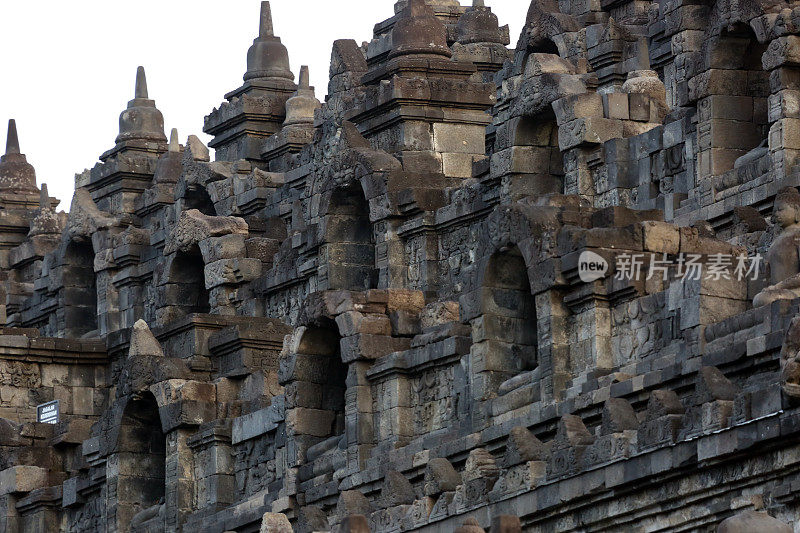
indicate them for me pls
(783, 256)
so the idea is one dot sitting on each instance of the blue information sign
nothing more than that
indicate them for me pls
(47, 413)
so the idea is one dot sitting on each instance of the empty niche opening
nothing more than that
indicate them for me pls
(543, 46)
(80, 290)
(188, 281)
(740, 120)
(197, 197)
(509, 316)
(327, 391)
(537, 161)
(350, 242)
(141, 452)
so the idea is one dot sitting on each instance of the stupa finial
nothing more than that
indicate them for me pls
(141, 84)
(478, 3)
(174, 144)
(305, 81)
(265, 28)
(44, 197)
(12, 141)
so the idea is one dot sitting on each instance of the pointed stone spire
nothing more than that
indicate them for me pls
(141, 84)
(46, 221)
(478, 3)
(16, 174)
(141, 122)
(267, 58)
(305, 80)
(419, 32)
(174, 144)
(12, 140)
(44, 198)
(265, 28)
(239, 126)
(169, 166)
(301, 106)
(143, 342)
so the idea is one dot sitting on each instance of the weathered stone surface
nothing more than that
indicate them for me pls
(143, 343)
(353, 502)
(396, 490)
(275, 523)
(470, 525)
(506, 524)
(753, 521)
(440, 476)
(522, 445)
(355, 524)
(618, 416)
(194, 227)
(713, 385)
(366, 312)
(22, 479)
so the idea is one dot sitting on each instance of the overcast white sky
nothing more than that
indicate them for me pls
(68, 68)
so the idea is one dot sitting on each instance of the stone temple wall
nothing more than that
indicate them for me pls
(371, 313)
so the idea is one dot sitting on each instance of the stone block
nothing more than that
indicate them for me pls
(785, 134)
(726, 107)
(506, 524)
(275, 523)
(396, 490)
(639, 107)
(355, 523)
(456, 165)
(224, 247)
(439, 313)
(371, 346)
(718, 81)
(459, 138)
(660, 237)
(314, 422)
(22, 479)
(578, 106)
(784, 104)
(615, 106)
(254, 424)
(440, 476)
(783, 51)
(716, 161)
(232, 271)
(588, 131)
(353, 323)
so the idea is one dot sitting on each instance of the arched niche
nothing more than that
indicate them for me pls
(542, 45)
(350, 241)
(508, 314)
(537, 165)
(186, 288)
(141, 461)
(735, 124)
(196, 197)
(79, 290)
(325, 384)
